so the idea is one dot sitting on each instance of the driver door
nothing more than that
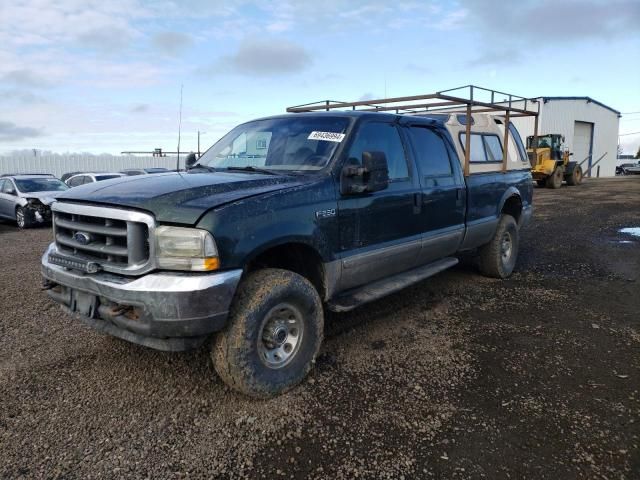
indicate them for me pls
(380, 232)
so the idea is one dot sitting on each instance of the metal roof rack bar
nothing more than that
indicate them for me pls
(468, 100)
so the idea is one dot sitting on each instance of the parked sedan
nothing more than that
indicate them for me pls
(82, 178)
(27, 199)
(628, 169)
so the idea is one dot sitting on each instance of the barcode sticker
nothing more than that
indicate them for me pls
(326, 136)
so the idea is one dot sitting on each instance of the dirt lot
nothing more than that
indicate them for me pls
(458, 377)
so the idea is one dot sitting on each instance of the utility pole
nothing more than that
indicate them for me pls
(199, 132)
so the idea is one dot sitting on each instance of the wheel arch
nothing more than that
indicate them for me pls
(511, 204)
(299, 257)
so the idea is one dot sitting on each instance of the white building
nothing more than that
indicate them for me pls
(590, 129)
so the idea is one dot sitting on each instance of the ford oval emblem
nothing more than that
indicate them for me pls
(82, 238)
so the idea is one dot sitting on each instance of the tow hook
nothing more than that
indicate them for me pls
(48, 284)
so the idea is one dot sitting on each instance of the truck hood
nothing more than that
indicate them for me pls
(179, 197)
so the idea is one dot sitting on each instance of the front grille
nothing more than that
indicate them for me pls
(118, 240)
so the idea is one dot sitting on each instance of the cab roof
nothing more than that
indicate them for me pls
(357, 114)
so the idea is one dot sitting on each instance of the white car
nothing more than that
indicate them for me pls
(27, 198)
(82, 178)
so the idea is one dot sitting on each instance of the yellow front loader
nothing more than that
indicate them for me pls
(550, 163)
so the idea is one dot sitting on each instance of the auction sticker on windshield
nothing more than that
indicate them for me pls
(326, 136)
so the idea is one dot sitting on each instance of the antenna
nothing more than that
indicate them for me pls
(179, 129)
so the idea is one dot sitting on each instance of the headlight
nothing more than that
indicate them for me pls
(179, 248)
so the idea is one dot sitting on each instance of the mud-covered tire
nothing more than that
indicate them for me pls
(575, 177)
(23, 218)
(555, 179)
(493, 261)
(238, 352)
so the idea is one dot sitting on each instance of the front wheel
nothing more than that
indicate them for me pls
(23, 219)
(273, 335)
(555, 179)
(497, 258)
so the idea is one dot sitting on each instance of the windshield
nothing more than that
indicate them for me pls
(545, 141)
(99, 178)
(292, 143)
(27, 185)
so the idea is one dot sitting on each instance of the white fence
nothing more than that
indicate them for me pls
(60, 164)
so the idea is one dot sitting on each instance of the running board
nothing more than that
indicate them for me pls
(353, 298)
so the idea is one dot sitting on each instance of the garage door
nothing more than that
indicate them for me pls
(582, 132)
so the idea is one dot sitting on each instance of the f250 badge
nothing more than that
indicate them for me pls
(331, 212)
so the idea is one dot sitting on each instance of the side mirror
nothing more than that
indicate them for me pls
(190, 161)
(371, 176)
(11, 191)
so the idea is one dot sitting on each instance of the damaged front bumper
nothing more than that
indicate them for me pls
(38, 212)
(166, 311)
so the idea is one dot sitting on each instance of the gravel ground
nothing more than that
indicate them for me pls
(457, 377)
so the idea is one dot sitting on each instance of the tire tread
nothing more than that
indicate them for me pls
(489, 258)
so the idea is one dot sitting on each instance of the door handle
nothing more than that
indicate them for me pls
(417, 202)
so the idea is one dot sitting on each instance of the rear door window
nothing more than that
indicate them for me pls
(431, 152)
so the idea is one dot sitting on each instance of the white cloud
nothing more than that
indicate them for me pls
(553, 21)
(40, 22)
(171, 43)
(10, 132)
(264, 57)
(24, 78)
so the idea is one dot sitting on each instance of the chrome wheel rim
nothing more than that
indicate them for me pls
(280, 335)
(506, 247)
(20, 218)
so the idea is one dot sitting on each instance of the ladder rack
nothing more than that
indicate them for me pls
(467, 99)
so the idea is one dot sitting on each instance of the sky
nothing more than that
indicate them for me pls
(105, 76)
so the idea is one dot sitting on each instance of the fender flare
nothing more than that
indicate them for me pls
(510, 192)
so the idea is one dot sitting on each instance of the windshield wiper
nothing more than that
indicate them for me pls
(249, 168)
(204, 167)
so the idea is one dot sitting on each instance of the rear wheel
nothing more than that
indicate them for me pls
(497, 259)
(23, 218)
(555, 179)
(273, 335)
(575, 177)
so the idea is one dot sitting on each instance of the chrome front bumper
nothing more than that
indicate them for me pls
(166, 311)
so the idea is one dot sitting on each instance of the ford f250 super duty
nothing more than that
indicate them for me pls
(283, 218)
